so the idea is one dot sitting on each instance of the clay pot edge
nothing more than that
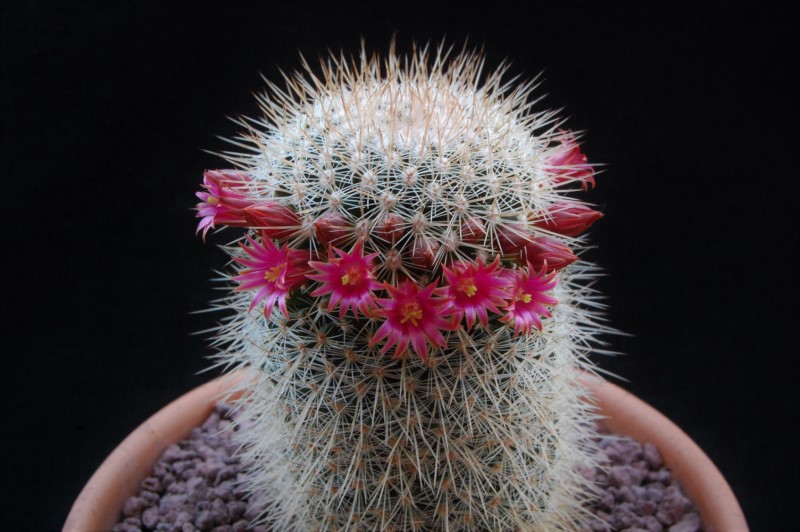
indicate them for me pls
(119, 476)
(626, 414)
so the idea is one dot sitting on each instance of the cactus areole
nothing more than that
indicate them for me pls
(408, 299)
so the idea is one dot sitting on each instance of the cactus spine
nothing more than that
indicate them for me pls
(407, 302)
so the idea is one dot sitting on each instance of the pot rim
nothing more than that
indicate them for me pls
(100, 502)
(624, 413)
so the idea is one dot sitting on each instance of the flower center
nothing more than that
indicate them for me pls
(212, 200)
(467, 285)
(411, 312)
(522, 296)
(273, 273)
(352, 276)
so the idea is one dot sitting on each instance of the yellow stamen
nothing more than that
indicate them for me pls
(467, 285)
(411, 312)
(273, 273)
(352, 276)
(212, 200)
(522, 296)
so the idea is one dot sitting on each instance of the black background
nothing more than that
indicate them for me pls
(106, 111)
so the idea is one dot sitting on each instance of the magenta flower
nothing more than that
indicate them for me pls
(224, 200)
(529, 299)
(349, 280)
(413, 316)
(273, 271)
(569, 164)
(476, 288)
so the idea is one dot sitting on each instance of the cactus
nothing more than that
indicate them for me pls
(407, 299)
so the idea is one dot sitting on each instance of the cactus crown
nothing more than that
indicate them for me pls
(407, 299)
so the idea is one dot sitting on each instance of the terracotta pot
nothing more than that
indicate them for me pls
(99, 505)
(628, 415)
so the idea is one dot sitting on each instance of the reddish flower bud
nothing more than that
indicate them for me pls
(569, 164)
(545, 250)
(391, 227)
(473, 230)
(568, 219)
(512, 237)
(423, 251)
(275, 220)
(332, 227)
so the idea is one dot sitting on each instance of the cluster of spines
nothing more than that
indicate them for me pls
(421, 204)
(483, 436)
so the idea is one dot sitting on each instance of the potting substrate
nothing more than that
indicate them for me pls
(194, 487)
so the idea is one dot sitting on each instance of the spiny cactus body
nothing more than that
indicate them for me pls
(408, 301)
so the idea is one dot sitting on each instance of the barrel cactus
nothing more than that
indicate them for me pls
(407, 300)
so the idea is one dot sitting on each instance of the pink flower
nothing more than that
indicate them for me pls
(548, 253)
(529, 299)
(226, 202)
(349, 280)
(476, 288)
(568, 219)
(569, 164)
(273, 271)
(413, 316)
(224, 199)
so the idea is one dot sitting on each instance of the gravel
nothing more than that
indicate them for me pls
(193, 487)
(637, 493)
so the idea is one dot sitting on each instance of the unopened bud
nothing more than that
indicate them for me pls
(568, 219)
(569, 164)
(391, 227)
(423, 252)
(512, 237)
(473, 230)
(545, 250)
(275, 220)
(332, 227)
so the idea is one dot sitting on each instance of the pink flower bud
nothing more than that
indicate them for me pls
(568, 219)
(423, 251)
(391, 227)
(569, 164)
(473, 230)
(332, 227)
(275, 220)
(545, 250)
(512, 237)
